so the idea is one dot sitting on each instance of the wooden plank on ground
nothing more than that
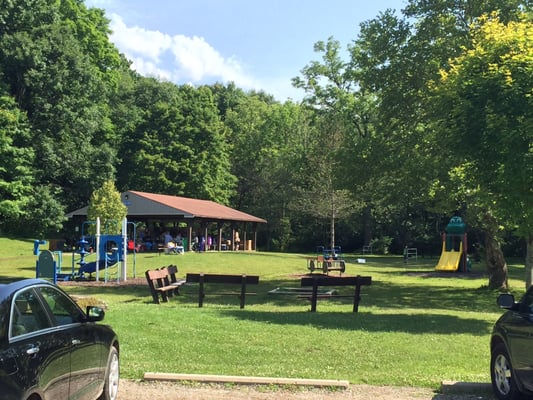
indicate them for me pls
(245, 380)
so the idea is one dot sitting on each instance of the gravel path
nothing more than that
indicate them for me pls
(140, 390)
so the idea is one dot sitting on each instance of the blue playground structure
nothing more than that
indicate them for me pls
(110, 253)
(49, 264)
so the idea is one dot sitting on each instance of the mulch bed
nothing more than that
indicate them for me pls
(109, 283)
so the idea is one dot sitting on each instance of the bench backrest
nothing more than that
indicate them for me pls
(222, 278)
(172, 270)
(156, 274)
(336, 281)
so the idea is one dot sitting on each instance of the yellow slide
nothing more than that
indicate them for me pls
(449, 260)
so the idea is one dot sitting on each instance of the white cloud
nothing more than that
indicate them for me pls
(138, 41)
(178, 58)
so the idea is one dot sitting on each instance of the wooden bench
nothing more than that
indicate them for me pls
(172, 279)
(317, 281)
(163, 282)
(242, 280)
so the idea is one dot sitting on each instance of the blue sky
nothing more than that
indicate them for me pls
(258, 44)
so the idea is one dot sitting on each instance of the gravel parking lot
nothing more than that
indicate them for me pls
(154, 390)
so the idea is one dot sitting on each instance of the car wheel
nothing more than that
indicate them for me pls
(112, 376)
(502, 376)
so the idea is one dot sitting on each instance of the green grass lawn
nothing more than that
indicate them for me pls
(413, 328)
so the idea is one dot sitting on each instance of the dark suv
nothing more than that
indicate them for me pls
(511, 348)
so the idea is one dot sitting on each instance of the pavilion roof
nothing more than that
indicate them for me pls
(143, 205)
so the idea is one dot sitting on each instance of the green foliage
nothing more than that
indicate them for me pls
(63, 92)
(16, 157)
(492, 115)
(107, 205)
(175, 142)
(45, 214)
(488, 91)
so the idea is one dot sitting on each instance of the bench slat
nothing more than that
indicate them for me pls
(202, 279)
(337, 281)
(356, 281)
(221, 278)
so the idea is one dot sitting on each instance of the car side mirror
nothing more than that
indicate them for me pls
(506, 300)
(95, 314)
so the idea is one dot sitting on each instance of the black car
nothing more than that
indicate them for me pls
(50, 349)
(511, 348)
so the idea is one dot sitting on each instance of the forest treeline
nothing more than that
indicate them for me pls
(428, 114)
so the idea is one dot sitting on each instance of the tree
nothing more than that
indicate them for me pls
(45, 214)
(58, 63)
(106, 204)
(174, 142)
(487, 92)
(16, 157)
(342, 120)
(268, 144)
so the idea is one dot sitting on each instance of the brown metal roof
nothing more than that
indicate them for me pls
(142, 202)
(142, 205)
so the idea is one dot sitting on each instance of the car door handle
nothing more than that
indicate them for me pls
(32, 350)
(76, 342)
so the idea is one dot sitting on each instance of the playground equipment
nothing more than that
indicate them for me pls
(327, 260)
(109, 255)
(49, 264)
(110, 251)
(454, 247)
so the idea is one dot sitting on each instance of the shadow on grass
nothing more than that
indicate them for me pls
(381, 294)
(388, 294)
(8, 279)
(416, 324)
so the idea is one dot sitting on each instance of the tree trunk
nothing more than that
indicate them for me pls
(529, 261)
(332, 232)
(367, 226)
(496, 265)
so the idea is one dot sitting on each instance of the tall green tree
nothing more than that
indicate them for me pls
(268, 143)
(57, 61)
(342, 120)
(175, 142)
(16, 157)
(398, 56)
(105, 203)
(487, 93)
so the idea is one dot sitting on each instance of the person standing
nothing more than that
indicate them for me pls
(237, 241)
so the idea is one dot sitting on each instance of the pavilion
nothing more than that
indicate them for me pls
(200, 218)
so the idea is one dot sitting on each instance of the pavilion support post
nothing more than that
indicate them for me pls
(254, 242)
(189, 236)
(219, 234)
(205, 226)
(244, 237)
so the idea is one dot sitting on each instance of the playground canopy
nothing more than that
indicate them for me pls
(198, 215)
